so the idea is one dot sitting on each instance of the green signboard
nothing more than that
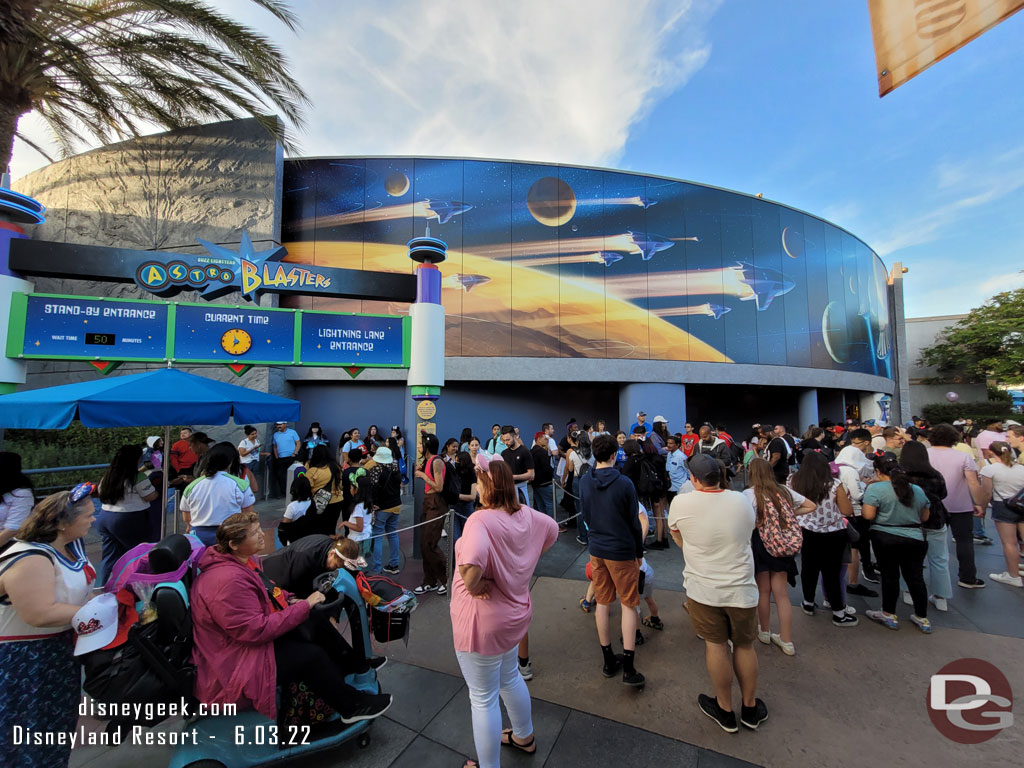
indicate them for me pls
(55, 327)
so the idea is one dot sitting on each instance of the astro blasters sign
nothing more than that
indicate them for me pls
(247, 271)
(217, 272)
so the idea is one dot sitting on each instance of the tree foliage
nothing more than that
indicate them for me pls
(981, 413)
(108, 69)
(987, 344)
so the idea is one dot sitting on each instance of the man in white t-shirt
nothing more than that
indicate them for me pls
(713, 528)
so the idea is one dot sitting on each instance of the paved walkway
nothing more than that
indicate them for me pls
(851, 696)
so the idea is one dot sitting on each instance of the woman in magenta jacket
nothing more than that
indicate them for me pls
(245, 632)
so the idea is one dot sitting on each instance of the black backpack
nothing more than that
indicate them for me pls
(652, 480)
(451, 485)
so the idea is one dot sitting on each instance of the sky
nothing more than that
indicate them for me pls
(771, 98)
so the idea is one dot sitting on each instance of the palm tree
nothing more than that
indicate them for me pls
(106, 69)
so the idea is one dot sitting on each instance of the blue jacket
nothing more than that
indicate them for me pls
(678, 472)
(611, 512)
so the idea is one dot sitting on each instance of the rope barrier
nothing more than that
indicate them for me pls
(440, 519)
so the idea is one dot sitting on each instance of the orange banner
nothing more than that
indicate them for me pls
(911, 35)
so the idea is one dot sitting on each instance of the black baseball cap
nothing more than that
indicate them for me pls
(703, 466)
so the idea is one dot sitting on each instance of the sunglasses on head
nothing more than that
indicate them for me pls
(81, 491)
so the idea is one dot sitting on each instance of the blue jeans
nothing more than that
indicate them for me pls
(385, 521)
(584, 534)
(463, 509)
(119, 532)
(542, 499)
(937, 560)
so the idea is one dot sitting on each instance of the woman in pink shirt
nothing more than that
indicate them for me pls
(491, 608)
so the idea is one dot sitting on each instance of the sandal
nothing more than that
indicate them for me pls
(507, 741)
(654, 622)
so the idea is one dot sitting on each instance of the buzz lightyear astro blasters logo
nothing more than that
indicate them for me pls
(247, 271)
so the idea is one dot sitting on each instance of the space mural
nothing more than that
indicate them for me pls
(560, 261)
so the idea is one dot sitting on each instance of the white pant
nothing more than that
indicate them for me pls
(485, 676)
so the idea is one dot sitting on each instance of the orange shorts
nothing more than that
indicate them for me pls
(611, 577)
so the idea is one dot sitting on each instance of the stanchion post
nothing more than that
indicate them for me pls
(451, 550)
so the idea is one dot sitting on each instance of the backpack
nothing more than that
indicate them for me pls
(321, 499)
(451, 487)
(778, 541)
(652, 482)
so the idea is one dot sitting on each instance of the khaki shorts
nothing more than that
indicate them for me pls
(717, 624)
(611, 577)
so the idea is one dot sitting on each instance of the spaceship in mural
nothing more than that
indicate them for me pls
(445, 210)
(645, 202)
(609, 257)
(766, 284)
(717, 310)
(468, 282)
(648, 245)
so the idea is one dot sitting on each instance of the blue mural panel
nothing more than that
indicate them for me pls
(563, 261)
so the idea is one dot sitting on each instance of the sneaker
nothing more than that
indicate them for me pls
(846, 620)
(663, 544)
(861, 590)
(975, 584)
(442, 589)
(378, 662)
(581, 541)
(883, 618)
(639, 638)
(923, 624)
(374, 707)
(984, 541)
(828, 606)
(1006, 578)
(526, 670)
(587, 605)
(422, 589)
(870, 574)
(616, 665)
(562, 528)
(392, 569)
(787, 648)
(808, 608)
(753, 716)
(764, 637)
(633, 679)
(726, 720)
(939, 602)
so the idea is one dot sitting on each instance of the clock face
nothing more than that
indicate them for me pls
(236, 341)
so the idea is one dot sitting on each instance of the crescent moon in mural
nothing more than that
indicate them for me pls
(794, 246)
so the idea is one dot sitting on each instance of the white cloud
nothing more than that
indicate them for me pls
(1000, 283)
(525, 79)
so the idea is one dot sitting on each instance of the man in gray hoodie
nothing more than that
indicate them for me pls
(609, 505)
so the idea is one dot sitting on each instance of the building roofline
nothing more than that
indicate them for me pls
(589, 168)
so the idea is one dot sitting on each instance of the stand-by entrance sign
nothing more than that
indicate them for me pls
(49, 327)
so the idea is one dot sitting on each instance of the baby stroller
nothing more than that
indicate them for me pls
(251, 739)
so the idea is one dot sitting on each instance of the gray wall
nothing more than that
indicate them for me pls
(161, 192)
(921, 333)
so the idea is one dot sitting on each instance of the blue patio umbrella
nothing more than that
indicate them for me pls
(165, 396)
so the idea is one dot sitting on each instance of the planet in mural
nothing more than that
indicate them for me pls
(396, 184)
(833, 331)
(551, 201)
(792, 243)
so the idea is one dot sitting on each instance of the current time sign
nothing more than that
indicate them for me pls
(74, 328)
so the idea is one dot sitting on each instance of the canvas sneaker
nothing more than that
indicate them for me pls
(1006, 578)
(974, 584)
(846, 620)
(526, 670)
(923, 624)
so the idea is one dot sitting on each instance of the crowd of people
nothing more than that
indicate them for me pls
(843, 507)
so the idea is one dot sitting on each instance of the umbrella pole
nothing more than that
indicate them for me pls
(166, 486)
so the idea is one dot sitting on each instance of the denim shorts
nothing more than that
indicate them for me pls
(1003, 514)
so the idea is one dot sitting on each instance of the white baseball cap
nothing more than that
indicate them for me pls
(95, 623)
(662, 419)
